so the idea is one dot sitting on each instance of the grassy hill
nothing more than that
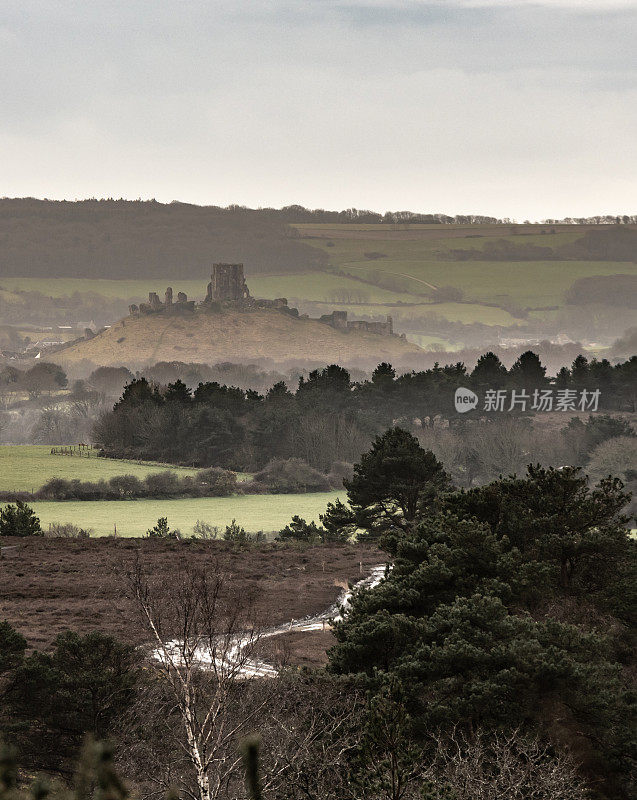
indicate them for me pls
(417, 256)
(24, 468)
(505, 280)
(230, 335)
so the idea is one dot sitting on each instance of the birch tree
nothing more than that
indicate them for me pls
(203, 642)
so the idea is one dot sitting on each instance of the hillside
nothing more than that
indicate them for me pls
(119, 238)
(230, 335)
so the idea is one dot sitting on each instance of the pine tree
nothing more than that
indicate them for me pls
(19, 520)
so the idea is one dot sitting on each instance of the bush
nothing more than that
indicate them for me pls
(68, 530)
(616, 456)
(163, 484)
(235, 533)
(56, 489)
(126, 486)
(299, 530)
(212, 482)
(292, 477)
(217, 482)
(582, 438)
(203, 530)
(19, 520)
(339, 472)
(447, 294)
(162, 531)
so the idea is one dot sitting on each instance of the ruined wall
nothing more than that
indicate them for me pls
(227, 284)
(228, 287)
(338, 320)
(155, 305)
(383, 328)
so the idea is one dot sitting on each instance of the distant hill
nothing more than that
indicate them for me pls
(123, 239)
(231, 335)
(610, 290)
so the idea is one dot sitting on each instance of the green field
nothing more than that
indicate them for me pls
(526, 283)
(126, 289)
(466, 313)
(413, 258)
(24, 468)
(269, 512)
(306, 285)
(418, 251)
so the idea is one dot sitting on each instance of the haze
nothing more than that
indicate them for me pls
(519, 109)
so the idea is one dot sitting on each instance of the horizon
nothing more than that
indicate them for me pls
(313, 208)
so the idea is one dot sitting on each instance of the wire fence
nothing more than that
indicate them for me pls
(81, 450)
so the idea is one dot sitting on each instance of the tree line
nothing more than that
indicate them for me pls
(330, 418)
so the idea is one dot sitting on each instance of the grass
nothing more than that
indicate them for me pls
(526, 283)
(306, 285)
(134, 517)
(320, 286)
(466, 313)
(412, 253)
(24, 468)
(416, 251)
(126, 289)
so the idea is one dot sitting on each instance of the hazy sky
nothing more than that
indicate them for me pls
(505, 107)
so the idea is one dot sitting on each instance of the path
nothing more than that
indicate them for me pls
(388, 272)
(257, 668)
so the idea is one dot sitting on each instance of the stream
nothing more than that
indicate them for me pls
(233, 657)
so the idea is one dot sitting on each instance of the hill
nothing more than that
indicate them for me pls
(231, 335)
(120, 238)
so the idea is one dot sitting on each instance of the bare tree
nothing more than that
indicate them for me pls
(324, 438)
(494, 765)
(203, 642)
(308, 734)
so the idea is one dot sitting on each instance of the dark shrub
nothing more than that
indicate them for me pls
(162, 531)
(235, 533)
(216, 482)
(127, 486)
(87, 490)
(56, 489)
(19, 520)
(292, 476)
(447, 294)
(163, 484)
(301, 531)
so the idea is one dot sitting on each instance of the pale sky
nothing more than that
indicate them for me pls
(504, 107)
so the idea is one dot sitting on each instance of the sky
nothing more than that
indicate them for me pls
(510, 108)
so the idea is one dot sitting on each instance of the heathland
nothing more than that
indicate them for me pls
(53, 585)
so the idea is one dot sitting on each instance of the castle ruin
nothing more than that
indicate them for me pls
(228, 289)
(227, 284)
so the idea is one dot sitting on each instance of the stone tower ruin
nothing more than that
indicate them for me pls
(227, 283)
